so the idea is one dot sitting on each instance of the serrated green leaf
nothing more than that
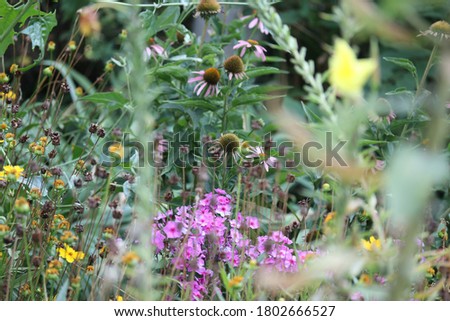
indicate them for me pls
(39, 29)
(10, 15)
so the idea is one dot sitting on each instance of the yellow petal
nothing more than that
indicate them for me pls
(62, 253)
(347, 73)
(80, 255)
(366, 245)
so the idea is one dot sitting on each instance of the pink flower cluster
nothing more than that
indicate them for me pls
(194, 239)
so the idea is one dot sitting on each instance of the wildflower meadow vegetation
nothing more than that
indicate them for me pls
(235, 150)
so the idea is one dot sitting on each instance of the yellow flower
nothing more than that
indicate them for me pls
(117, 150)
(3, 78)
(22, 206)
(79, 91)
(68, 237)
(89, 23)
(55, 264)
(371, 244)
(347, 73)
(90, 269)
(119, 298)
(13, 171)
(70, 254)
(59, 184)
(130, 258)
(52, 274)
(51, 46)
(365, 278)
(330, 216)
(236, 281)
(72, 45)
(9, 137)
(13, 69)
(9, 96)
(4, 229)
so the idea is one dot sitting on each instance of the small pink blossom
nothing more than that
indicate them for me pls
(172, 230)
(207, 82)
(154, 50)
(252, 222)
(252, 45)
(258, 152)
(158, 239)
(256, 22)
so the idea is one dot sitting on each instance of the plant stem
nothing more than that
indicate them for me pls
(427, 70)
(202, 39)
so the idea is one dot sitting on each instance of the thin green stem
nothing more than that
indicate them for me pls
(202, 39)
(427, 71)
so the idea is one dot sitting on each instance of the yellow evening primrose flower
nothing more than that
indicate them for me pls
(69, 254)
(371, 244)
(13, 171)
(348, 74)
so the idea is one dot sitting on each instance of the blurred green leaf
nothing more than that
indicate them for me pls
(10, 16)
(404, 63)
(39, 29)
(112, 100)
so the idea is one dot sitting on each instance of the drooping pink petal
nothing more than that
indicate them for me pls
(191, 80)
(199, 91)
(253, 23)
(208, 92)
(198, 85)
(243, 51)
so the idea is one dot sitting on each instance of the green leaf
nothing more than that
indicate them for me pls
(262, 71)
(172, 71)
(11, 16)
(251, 99)
(167, 18)
(195, 103)
(264, 89)
(38, 30)
(112, 100)
(195, 118)
(148, 22)
(403, 63)
(154, 23)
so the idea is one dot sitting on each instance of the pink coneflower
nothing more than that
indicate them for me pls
(256, 22)
(254, 46)
(208, 81)
(258, 152)
(154, 50)
(383, 111)
(235, 67)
